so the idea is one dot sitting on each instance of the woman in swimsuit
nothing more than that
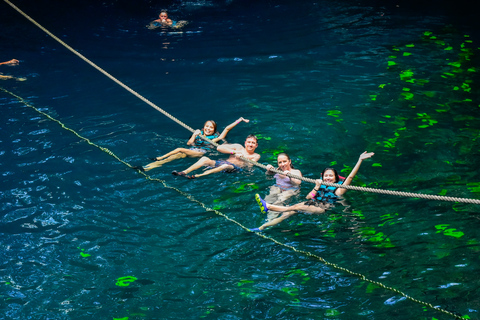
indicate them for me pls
(320, 198)
(285, 187)
(198, 146)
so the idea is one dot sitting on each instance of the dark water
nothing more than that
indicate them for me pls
(323, 81)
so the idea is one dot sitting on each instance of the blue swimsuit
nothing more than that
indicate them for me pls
(202, 145)
(324, 195)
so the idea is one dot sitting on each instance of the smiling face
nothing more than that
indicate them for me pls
(284, 163)
(209, 128)
(329, 176)
(251, 144)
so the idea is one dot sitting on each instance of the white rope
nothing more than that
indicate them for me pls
(390, 192)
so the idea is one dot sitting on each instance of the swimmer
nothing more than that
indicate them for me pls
(164, 21)
(232, 164)
(12, 62)
(285, 187)
(198, 146)
(320, 198)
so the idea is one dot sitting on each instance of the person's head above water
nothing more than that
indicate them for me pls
(251, 143)
(163, 15)
(209, 128)
(284, 161)
(330, 175)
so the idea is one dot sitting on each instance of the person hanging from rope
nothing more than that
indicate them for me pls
(12, 62)
(320, 198)
(285, 186)
(164, 21)
(233, 164)
(198, 146)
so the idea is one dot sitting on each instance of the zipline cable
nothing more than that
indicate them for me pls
(349, 187)
(208, 209)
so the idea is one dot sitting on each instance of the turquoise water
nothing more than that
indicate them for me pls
(322, 81)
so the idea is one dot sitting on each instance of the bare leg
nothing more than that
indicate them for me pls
(274, 194)
(278, 196)
(188, 152)
(285, 195)
(287, 211)
(284, 216)
(215, 170)
(204, 161)
(296, 207)
(157, 164)
(178, 153)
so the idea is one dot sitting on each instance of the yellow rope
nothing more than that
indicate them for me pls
(208, 209)
(349, 187)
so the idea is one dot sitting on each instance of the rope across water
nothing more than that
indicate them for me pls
(208, 209)
(349, 187)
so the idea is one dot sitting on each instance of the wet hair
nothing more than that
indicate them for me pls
(214, 125)
(252, 136)
(337, 177)
(288, 157)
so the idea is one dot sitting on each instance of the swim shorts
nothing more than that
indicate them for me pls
(218, 163)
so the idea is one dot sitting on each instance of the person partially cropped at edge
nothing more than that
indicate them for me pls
(320, 198)
(11, 63)
(233, 164)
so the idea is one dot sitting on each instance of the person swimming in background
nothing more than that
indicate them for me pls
(320, 198)
(198, 146)
(233, 164)
(164, 21)
(12, 62)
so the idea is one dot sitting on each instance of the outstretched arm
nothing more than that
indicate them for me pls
(352, 174)
(230, 148)
(12, 62)
(228, 128)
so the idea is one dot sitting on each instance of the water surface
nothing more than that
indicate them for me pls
(323, 81)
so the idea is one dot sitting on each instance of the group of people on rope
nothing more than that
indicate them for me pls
(320, 198)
